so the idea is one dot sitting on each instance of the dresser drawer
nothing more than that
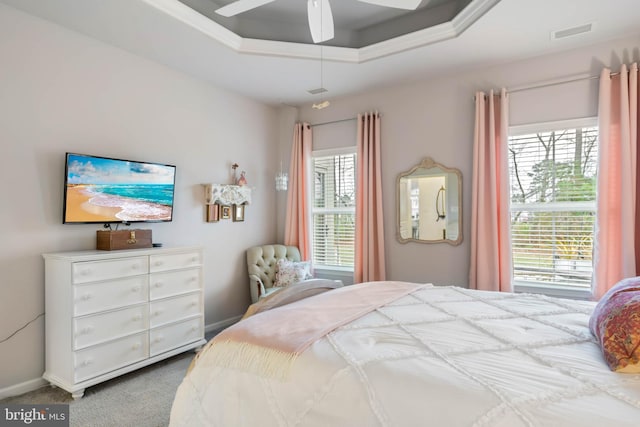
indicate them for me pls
(163, 285)
(100, 359)
(101, 296)
(98, 328)
(173, 309)
(174, 261)
(169, 337)
(94, 271)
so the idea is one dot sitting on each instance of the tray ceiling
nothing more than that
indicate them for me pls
(483, 33)
(357, 24)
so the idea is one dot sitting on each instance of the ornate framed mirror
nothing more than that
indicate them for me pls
(429, 204)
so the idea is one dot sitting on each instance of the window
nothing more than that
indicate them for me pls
(333, 209)
(552, 169)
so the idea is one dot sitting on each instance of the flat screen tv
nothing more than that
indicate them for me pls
(105, 190)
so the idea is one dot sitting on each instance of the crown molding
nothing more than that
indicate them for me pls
(299, 50)
(445, 31)
(430, 35)
(470, 14)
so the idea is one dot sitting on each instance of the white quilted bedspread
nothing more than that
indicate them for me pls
(443, 357)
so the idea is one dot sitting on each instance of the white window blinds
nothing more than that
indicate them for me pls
(334, 201)
(553, 194)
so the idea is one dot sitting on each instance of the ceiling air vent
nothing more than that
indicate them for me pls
(317, 91)
(573, 31)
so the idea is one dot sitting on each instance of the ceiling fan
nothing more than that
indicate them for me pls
(319, 12)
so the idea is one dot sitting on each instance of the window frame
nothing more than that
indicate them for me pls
(555, 290)
(336, 272)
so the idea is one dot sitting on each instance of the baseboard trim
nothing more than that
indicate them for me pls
(25, 387)
(222, 323)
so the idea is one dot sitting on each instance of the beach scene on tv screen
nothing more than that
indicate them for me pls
(108, 190)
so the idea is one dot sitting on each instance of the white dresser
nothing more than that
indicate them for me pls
(108, 313)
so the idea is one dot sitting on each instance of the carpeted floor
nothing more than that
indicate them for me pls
(141, 398)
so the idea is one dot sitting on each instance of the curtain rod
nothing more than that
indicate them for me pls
(334, 121)
(555, 83)
(549, 84)
(339, 121)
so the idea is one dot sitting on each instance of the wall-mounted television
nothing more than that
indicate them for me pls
(105, 190)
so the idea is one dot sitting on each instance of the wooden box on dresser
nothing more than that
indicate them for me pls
(109, 313)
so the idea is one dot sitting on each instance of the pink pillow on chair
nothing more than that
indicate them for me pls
(615, 322)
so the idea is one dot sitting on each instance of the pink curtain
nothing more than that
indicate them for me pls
(370, 259)
(491, 267)
(616, 237)
(296, 232)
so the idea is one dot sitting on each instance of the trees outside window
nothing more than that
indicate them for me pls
(552, 170)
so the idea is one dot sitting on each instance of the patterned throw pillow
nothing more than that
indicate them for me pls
(615, 322)
(290, 272)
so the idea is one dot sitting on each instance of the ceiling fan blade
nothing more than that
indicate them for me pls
(240, 6)
(320, 20)
(398, 4)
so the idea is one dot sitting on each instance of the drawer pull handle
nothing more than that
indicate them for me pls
(86, 362)
(193, 279)
(159, 338)
(86, 330)
(136, 346)
(135, 266)
(135, 289)
(85, 272)
(194, 328)
(194, 303)
(158, 263)
(194, 259)
(157, 312)
(158, 284)
(86, 297)
(137, 317)
(132, 238)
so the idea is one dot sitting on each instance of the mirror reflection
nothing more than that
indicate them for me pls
(430, 204)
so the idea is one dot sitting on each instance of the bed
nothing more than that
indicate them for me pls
(429, 356)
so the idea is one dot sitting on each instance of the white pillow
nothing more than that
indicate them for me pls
(290, 272)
